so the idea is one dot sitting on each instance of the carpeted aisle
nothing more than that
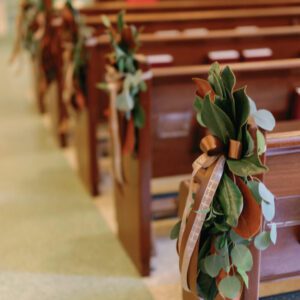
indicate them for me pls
(53, 243)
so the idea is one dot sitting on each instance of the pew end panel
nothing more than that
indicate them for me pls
(133, 199)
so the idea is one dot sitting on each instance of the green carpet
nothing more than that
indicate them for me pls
(53, 242)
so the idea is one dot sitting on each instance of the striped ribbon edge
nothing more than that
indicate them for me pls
(205, 203)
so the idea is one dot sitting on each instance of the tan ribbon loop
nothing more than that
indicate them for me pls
(235, 149)
(211, 145)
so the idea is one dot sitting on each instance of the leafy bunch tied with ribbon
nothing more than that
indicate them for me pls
(125, 72)
(75, 34)
(226, 199)
(29, 27)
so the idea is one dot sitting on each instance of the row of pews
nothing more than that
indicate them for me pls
(260, 41)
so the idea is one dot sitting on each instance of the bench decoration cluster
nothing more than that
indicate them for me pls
(124, 71)
(226, 201)
(28, 23)
(75, 33)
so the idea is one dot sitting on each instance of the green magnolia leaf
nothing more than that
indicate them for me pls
(198, 104)
(217, 121)
(264, 119)
(242, 108)
(231, 200)
(248, 144)
(105, 21)
(241, 257)
(263, 240)
(175, 231)
(244, 276)
(207, 287)
(228, 78)
(273, 233)
(213, 264)
(254, 188)
(261, 143)
(230, 286)
(216, 84)
(139, 116)
(120, 21)
(246, 166)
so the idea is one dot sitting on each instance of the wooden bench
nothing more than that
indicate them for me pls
(169, 142)
(176, 47)
(217, 19)
(101, 7)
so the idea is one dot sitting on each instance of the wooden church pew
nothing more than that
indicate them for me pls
(170, 6)
(217, 19)
(198, 47)
(169, 141)
(279, 262)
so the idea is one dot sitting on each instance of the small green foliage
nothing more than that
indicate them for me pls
(241, 257)
(174, 234)
(230, 286)
(263, 240)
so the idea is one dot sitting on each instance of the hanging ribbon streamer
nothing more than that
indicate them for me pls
(208, 170)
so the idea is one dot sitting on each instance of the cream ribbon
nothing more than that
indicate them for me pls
(204, 161)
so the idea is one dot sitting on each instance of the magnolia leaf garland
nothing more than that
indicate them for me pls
(233, 220)
(126, 65)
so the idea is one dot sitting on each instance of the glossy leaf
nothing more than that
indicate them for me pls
(261, 143)
(105, 21)
(273, 233)
(217, 121)
(230, 287)
(242, 257)
(268, 204)
(230, 199)
(246, 166)
(263, 240)
(254, 187)
(228, 78)
(242, 107)
(244, 276)
(250, 219)
(213, 264)
(175, 231)
(139, 116)
(204, 88)
(264, 119)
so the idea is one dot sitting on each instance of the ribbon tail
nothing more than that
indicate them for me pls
(189, 240)
(114, 127)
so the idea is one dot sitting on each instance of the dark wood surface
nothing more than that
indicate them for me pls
(168, 6)
(218, 19)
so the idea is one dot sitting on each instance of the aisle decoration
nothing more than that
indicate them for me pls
(126, 73)
(29, 28)
(74, 36)
(226, 199)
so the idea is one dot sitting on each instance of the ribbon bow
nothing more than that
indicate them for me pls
(208, 170)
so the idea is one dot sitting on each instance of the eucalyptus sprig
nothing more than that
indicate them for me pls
(233, 221)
